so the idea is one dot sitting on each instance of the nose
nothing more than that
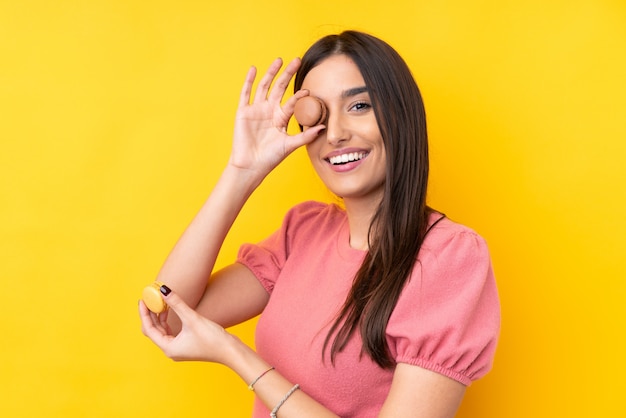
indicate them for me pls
(336, 131)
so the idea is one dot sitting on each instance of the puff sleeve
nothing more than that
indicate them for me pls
(448, 316)
(267, 258)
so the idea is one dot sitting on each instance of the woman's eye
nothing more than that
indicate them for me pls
(360, 106)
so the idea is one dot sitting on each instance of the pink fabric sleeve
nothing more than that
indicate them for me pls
(448, 317)
(267, 258)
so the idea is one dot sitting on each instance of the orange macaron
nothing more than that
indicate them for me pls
(310, 111)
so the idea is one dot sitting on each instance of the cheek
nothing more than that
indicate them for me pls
(313, 149)
(310, 151)
(374, 130)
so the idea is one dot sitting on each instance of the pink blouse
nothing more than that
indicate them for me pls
(447, 318)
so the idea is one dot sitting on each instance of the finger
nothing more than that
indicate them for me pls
(176, 304)
(149, 329)
(246, 90)
(301, 93)
(266, 81)
(280, 86)
(290, 104)
(162, 317)
(154, 318)
(303, 138)
(149, 317)
(144, 313)
(162, 322)
(159, 321)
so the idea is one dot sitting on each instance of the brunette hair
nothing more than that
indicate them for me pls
(400, 222)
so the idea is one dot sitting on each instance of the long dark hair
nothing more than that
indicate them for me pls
(400, 222)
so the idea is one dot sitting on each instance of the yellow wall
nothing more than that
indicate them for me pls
(115, 120)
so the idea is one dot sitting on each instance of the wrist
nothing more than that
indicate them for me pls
(244, 178)
(244, 361)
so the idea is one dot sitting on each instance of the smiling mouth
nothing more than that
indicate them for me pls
(347, 158)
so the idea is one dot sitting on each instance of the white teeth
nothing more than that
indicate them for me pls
(344, 158)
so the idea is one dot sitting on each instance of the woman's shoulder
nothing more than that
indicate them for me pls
(316, 206)
(443, 231)
(314, 211)
(310, 223)
(450, 245)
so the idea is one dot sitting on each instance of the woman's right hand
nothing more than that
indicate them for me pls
(261, 140)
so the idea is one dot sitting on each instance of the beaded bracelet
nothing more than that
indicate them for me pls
(283, 400)
(251, 385)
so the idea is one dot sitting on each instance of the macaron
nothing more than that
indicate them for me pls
(152, 298)
(310, 111)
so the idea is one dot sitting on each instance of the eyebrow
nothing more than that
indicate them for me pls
(353, 92)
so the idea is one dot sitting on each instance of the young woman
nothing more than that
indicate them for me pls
(379, 308)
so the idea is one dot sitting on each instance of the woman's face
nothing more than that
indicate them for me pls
(349, 155)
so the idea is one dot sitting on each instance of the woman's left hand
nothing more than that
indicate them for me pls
(199, 339)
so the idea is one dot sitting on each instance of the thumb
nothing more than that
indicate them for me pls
(304, 138)
(176, 303)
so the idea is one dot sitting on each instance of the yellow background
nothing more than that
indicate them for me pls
(116, 119)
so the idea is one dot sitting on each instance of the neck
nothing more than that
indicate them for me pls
(360, 213)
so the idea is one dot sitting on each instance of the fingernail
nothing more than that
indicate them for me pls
(165, 290)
